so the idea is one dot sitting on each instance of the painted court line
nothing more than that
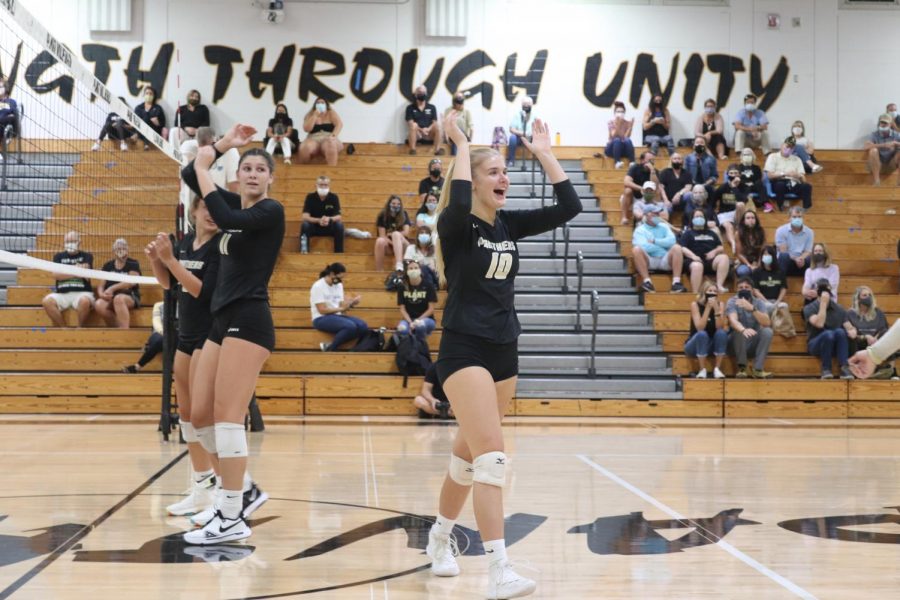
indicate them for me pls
(747, 560)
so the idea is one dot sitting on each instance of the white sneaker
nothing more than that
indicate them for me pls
(198, 500)
(718, 374)
(219, 530)
(95, 147)
(701, 374)
(202, 518)
(323, 346)
(123, 147)
(504, 582)
(442, 551)
(619, 164)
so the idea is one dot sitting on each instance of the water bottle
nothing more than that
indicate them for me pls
(304, 245)
(556, 142)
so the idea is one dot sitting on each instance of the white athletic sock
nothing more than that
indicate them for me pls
(646, 280)
(495, 550)
(676, 280)
(232, 503)
(444, 525)
(200, 476)
(248, 481)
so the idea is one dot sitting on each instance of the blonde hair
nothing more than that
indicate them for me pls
(476, 158)
(701, 291)
(871, 313)
(827, 262)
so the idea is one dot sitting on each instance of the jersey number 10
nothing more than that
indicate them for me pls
(501, 263)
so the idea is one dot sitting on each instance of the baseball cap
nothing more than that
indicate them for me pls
(649, 185)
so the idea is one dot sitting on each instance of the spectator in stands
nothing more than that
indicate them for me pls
(435, 180)
(638, 174)
(650, 198)
(423, 253)
(751, 126)
(711, 127)
(323, 127)
(393, 227)
(803, 148)
(152, 114)
(751, 331)
(769, 283)
(519, 128)
(654, 248)
(71, 292)
(750, 238)
(730, 202)
(820, 268)
(619, 145)
(327, 304)
(9, 111)
(708, 331)
(701, 165)
(657, 123)
(698, 198)
(115, 300)
(675, 182)
(427, 214)
(422, 122)
(116, 128)
(867, 324)
(794, 241)
(891, 111)
(432, 401)
(752, 179)
(417, 300)
(154, 343)
(786, 174)
(883, 149)
(463, 121)
(280, 134)
(322, 216)
(702, 247)
(826, 326)
(188, 118)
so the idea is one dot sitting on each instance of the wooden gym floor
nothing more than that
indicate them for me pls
(601, 508)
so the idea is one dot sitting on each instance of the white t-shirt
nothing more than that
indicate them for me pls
(322, 291)
(414, 253)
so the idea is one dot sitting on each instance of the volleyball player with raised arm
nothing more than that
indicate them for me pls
(478, 358)
(194, 265)
(242, 335)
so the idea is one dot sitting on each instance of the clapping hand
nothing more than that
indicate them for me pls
(452, 130)
(540, 138)
(163, 246)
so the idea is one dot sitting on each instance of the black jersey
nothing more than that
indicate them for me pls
(481, 260)
(194, 314)
(74, 284)
(130, 265)
(249, 244)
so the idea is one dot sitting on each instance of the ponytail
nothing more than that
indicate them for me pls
(334, 268)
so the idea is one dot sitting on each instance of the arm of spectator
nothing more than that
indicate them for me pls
(336, 218)
(309, 121)
(338, 124)
(630, 128)
(646, 123)
(629, 183)
(699, 317)
(818, 319)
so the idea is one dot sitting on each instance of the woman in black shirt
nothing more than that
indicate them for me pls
(323, 126)
(478, 360)
(417, 300)
(188, 119)
(280, 134)
(116, 300)
(750, 238)
(392, 225)
(769, 283)
(707, 331)
(151, 113)
(242, 335)
(194, 265)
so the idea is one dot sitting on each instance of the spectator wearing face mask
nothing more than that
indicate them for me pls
(751, 127)
(427, 214)
(891, 111)
(698, 199)
(422, 252)
(752, 179)
(434, 182)
(674, 182)
(769, 283)
(867, 322)
(329, 308)
(711, 127)
(423, 124)
(417, 300)
(820, 268)
(463, 119)
(786, 174)
(702, 247)
(116, 300)
(730, 201)
(322, 216)
(9, 112)
(794, 241)
(619, 145)
(393, 229)
(701, 166)
(323, 126)
(803, 148)
(883, 150)
(71, 292)
(751, 331)
(115, 127)
(707, 331)
(280, 134)
(657, 123)
(154, 343)
(519, 127)
(826, 328)
(188, 119)
(150, 113)
(650, 198)
(654, 248)
(638, 174)
(750, 240)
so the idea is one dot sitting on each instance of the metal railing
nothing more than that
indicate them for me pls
(595, 309)
(567, 233)
(579, 266)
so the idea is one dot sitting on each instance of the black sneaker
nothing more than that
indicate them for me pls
(845, 373)
(253, 499)
(647, 286)
(678, 288)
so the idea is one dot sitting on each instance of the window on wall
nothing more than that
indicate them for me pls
(869, 3)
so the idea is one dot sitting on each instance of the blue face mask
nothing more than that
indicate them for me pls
(652, 221)
(424, 238)
(767, 259)
(797, 222)
(699, 221)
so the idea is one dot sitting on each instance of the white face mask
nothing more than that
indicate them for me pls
(121, 253)
(750, 107)
(71, 247)
(320, 106)
(797, 131)
(323, 191)
(431, 206)
(620, 114)
(746, 160)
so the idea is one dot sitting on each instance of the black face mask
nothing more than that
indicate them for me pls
(676, 166)
(818, 258)
(421, 97)
(526, 109)
(711, 297)
(435, 172)
(745, 294)
(699, 149)
(867, 302)
(280, 116)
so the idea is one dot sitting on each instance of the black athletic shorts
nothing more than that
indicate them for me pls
(249, 320)
(190, 343)
(459, 350)
(708, 268)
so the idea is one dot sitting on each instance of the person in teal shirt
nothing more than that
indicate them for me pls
(654, 248)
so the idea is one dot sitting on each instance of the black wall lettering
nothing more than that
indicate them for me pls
(364, 59)
(726, 66)
(63, 84)
(157, 74)
(693, 70)
(605, 98)
(223, 57)
(101, 55)
(767, 92)
(13, 71)
(530, 82)
(408, 69)
(309, 76)
(470, 63)
(258, 78)
(645, 71)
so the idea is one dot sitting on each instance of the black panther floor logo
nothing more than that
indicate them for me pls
(835, 528)
(18, 548)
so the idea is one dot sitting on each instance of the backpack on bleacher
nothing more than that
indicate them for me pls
(413, 356)
(371, 341)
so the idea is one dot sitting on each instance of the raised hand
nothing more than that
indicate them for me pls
(163, 247)
(452, 130)
(540, 138)
(237, 136)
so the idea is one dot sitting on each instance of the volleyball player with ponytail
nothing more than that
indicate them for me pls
(478, 358)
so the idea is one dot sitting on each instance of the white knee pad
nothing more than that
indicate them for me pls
(490, 469)
(207, 438)
(461, 472)
(188, 432)
(231, 440)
